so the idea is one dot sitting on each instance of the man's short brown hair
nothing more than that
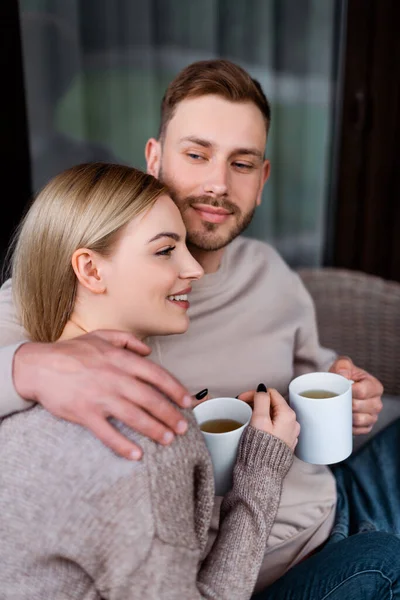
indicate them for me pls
(220, 77)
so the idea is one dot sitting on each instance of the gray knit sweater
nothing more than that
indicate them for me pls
(78, 522)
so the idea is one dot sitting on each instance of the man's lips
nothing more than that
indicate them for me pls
(212, 214)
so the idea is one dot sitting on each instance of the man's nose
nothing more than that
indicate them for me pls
(216, 183)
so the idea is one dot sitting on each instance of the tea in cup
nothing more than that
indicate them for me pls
(222, 422)
(323, 406)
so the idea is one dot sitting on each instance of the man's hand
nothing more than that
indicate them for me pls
(99, 375)
(367, 392)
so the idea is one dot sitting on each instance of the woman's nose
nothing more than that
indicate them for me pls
(192, 269)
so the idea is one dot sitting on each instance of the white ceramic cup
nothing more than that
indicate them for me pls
(326, 424)
(223, 447)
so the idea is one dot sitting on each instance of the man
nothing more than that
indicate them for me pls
(251, 318)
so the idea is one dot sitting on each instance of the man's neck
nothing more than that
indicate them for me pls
(209, 260)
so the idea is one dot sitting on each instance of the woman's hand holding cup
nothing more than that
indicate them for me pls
(272, 414)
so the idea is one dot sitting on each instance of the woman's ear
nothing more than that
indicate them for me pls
(87, 270)
(153, 156)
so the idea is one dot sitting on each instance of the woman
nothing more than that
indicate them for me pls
(103, 247)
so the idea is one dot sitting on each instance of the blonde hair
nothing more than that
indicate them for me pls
(85, 206)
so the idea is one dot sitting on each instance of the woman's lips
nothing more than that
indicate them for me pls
(211, 214)
(182, 303)
(180, 298)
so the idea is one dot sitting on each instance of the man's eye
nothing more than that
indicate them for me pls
(243, 166)
(195, 156)
(166, 251)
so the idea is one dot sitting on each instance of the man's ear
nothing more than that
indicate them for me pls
(87, 270)
(152, 153)
(266, 169)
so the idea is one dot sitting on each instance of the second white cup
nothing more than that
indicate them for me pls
(326, 435)
(223, 447)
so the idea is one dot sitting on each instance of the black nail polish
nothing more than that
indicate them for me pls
(202, 394)
(261, 388)
(237, 396)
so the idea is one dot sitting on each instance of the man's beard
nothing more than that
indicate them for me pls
(207, 237)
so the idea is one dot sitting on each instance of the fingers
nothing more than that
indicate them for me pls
(373, 406)
(366, 392)
(277, 400)
(149, 372)
(261, 418)
(95, 376)
(150, 400)
(247, 396)
(367, 387)
(361, 430)
(200, 397)
(122, 339)
(364, 420)
(140, 420)
(365, 414)
(112, 438)
(343, 366)
(278, 405)
(196, 402)
(367, 404)
(286, 426)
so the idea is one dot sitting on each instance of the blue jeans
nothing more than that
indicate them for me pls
(361, 559)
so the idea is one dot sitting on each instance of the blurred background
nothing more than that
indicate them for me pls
(88, 76)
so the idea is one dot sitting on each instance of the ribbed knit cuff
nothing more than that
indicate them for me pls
(258, 449)
(10, 400)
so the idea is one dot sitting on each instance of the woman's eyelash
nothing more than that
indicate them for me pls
(166, 251)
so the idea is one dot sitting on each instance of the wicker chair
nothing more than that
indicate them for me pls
(358, 315)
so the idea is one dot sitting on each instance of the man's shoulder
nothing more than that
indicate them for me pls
(258, 254)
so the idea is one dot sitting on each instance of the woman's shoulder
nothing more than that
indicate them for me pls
(32, 435)
(39, 447)
(40, 451)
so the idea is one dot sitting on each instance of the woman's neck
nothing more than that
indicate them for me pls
(74, 329)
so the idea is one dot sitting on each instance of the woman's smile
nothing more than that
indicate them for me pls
(180, 298)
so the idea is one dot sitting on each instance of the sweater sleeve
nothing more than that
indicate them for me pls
(12, 334)
(11, 330)
(248, 512)
(309, 355)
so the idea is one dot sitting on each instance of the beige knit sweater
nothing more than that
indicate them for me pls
(78, 522)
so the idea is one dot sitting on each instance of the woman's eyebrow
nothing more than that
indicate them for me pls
(168, 234)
